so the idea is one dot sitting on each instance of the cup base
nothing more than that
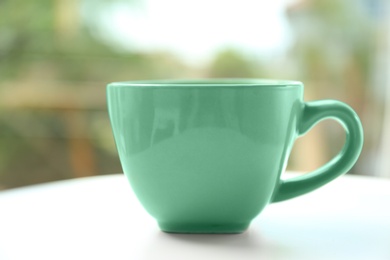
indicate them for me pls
(200, 228)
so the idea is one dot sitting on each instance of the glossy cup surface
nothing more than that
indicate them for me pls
(205, 156)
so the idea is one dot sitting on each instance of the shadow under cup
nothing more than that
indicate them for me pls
(205, 156)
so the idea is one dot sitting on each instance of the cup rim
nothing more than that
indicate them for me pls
(212, 82)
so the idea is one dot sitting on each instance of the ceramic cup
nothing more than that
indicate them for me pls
(206, 156)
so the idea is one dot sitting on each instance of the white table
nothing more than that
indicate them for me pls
(100, 218)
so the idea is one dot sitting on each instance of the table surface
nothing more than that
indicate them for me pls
(100, 218)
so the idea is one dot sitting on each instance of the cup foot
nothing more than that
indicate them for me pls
(203, 228)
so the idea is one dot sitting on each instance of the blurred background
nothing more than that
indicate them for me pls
(56, 57)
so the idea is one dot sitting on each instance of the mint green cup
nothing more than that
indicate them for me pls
(206, 156)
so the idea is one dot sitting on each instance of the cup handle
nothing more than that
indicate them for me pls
(314, 112)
